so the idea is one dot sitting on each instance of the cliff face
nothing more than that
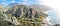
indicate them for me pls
(18, 14)
(28, 11)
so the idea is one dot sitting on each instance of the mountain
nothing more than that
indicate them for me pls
(20, 10)
(12, 4)
(20, 14)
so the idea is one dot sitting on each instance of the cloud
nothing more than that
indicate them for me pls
(12, 1)
(24, 3)
(25, 0)
(30, 2)
(4, 3)
(55, 4)
(38, 1)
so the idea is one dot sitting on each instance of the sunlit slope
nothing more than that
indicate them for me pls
(23, 15)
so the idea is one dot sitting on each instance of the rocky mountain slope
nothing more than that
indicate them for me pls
(17, 14)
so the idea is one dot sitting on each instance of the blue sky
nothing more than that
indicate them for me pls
(6, 2)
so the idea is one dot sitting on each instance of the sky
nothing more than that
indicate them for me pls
(54, 4)
(6, 2)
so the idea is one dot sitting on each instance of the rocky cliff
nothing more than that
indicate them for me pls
(19, 14)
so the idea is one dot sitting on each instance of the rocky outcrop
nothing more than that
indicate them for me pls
(13, 15)
(20, 10)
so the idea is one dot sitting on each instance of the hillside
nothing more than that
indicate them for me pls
(23, 15)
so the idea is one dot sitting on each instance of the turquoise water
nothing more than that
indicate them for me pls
(53, 16)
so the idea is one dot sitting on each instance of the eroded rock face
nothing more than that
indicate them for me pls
(24, 11)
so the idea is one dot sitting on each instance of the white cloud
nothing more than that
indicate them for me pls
(24, 3)
(55, 4)
(12, 1)
(38, 1)
(25, 0)
(30, 2)
(4, 3)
